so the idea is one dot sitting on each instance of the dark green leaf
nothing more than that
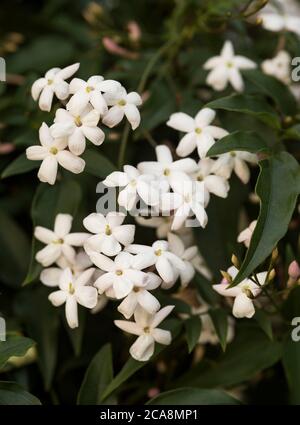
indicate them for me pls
(251, 105)
(239, 141)
(278, 186)
(14, 345)
(97, 377)
(205, 289)
(264, 322)
(13, 394)
(19, 166)
(97, 164)
(219, 318)
(192, 396)
(193, 327)
(291, 363)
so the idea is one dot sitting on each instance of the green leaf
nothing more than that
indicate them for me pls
(20, 165)
(15, 248)
(193, 327)
(239, 141)
(14, 345)
(255, 106)
(205, 289)
(97, 164)
(291, 364)
(76, 335)
(278, 186)
(14, 394)
(192, 396)
(219, 318)
(264, 322)
(250, 352)
(97, 377)
(41, 320)
(274, 88)
(48, 201)
(132, 366)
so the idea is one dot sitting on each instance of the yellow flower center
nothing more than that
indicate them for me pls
(107, 230)
(78, 121)
(229, 64)
(166, 172)
(89, 89)
(58, 241)
(233, 154)
(158, 252)
(49, 82)
(53, 150)
(146, 329)
(198, 130)
(136, 289)
(71, 288)
(119, 272)
(122, 102)
(199, 178)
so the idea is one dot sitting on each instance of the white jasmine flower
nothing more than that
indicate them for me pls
(122, 104)
(167, 169)
(120, 274)
(141, 296)
(177, 247)
(282, 18)
(246, 235)
(59, 242)
(190, 199)
(200, 134)
(201, 266)
(53, 152)
(77, 128)
(51, 275)
(145, 327)
(73, 291)
(134, 184)
(209, 182)
(234, 161)
(90, 91)
(166, 263)
(53, 83)
(279, 67)
(208, 333)
(226, 69)
(109, 233)
(243, 293)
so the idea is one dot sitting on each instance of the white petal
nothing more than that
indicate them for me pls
(72, 312)
(48, 255)
(128, 305)
(115, 218)
(227, 51)
(217, 185)
(148, 302)
(187, 274)
(116, 179)
(58, 298)
(76, 84)
(69, 252)
(61, 90)
(204, 117)
(48, 170)
(161, 315)
(244, 63)
(46, 97)
(175, 244)
(110, 246)
(187, 144)
(36, 153)
(236, 79)
(77, 141)
(162, 337)
(143, 348)
(104, 282)
(94, 135)
(44, 235)
(86, 296)
(95, 223)
(37, 87)
(71, 162)
(164, 269)
(181, 122)
(243, 307)
(113, 116)
(241, 169)
(68, 71)
(98, 102)
(129, 327)
(78, 101)
(62, 225)
(124, 234)
(102, 262)
(135, 98)
(50, 277)
(133, 115)
(76, 239)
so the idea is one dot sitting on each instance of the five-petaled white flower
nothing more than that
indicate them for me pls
(120, 274)
(73, 291)
(200, 133)
(141, 296)
(166, 262)
(53, 152)
(243, 293)
(234, 161)
(186, 254)
(209, 182)
(59, 242)
(50, 276)
(145, 327)
(53, 83)
(246, 235)
(226, 69)
(78, 127)
(90, 91)
(134, 184)
(122, 104)
(166, 169)
(279, 67)
(109, 233)
(284, 18)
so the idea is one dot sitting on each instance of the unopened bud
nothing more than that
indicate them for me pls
(235, 261)
(294, 270)
(271, 275)
(249, 294)
(274, 255)
(258, 21)
(226, 276)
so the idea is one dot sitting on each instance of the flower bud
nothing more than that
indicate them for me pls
(235, 261)
(294, 270)
(226, 276)
(274, 255)
(271, 275)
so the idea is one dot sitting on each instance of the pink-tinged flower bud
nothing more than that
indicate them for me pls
(6, 148)
(294, 270)
(112, 47)
(152, 392)
(134, 31)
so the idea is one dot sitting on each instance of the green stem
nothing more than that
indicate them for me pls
(123, 145)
